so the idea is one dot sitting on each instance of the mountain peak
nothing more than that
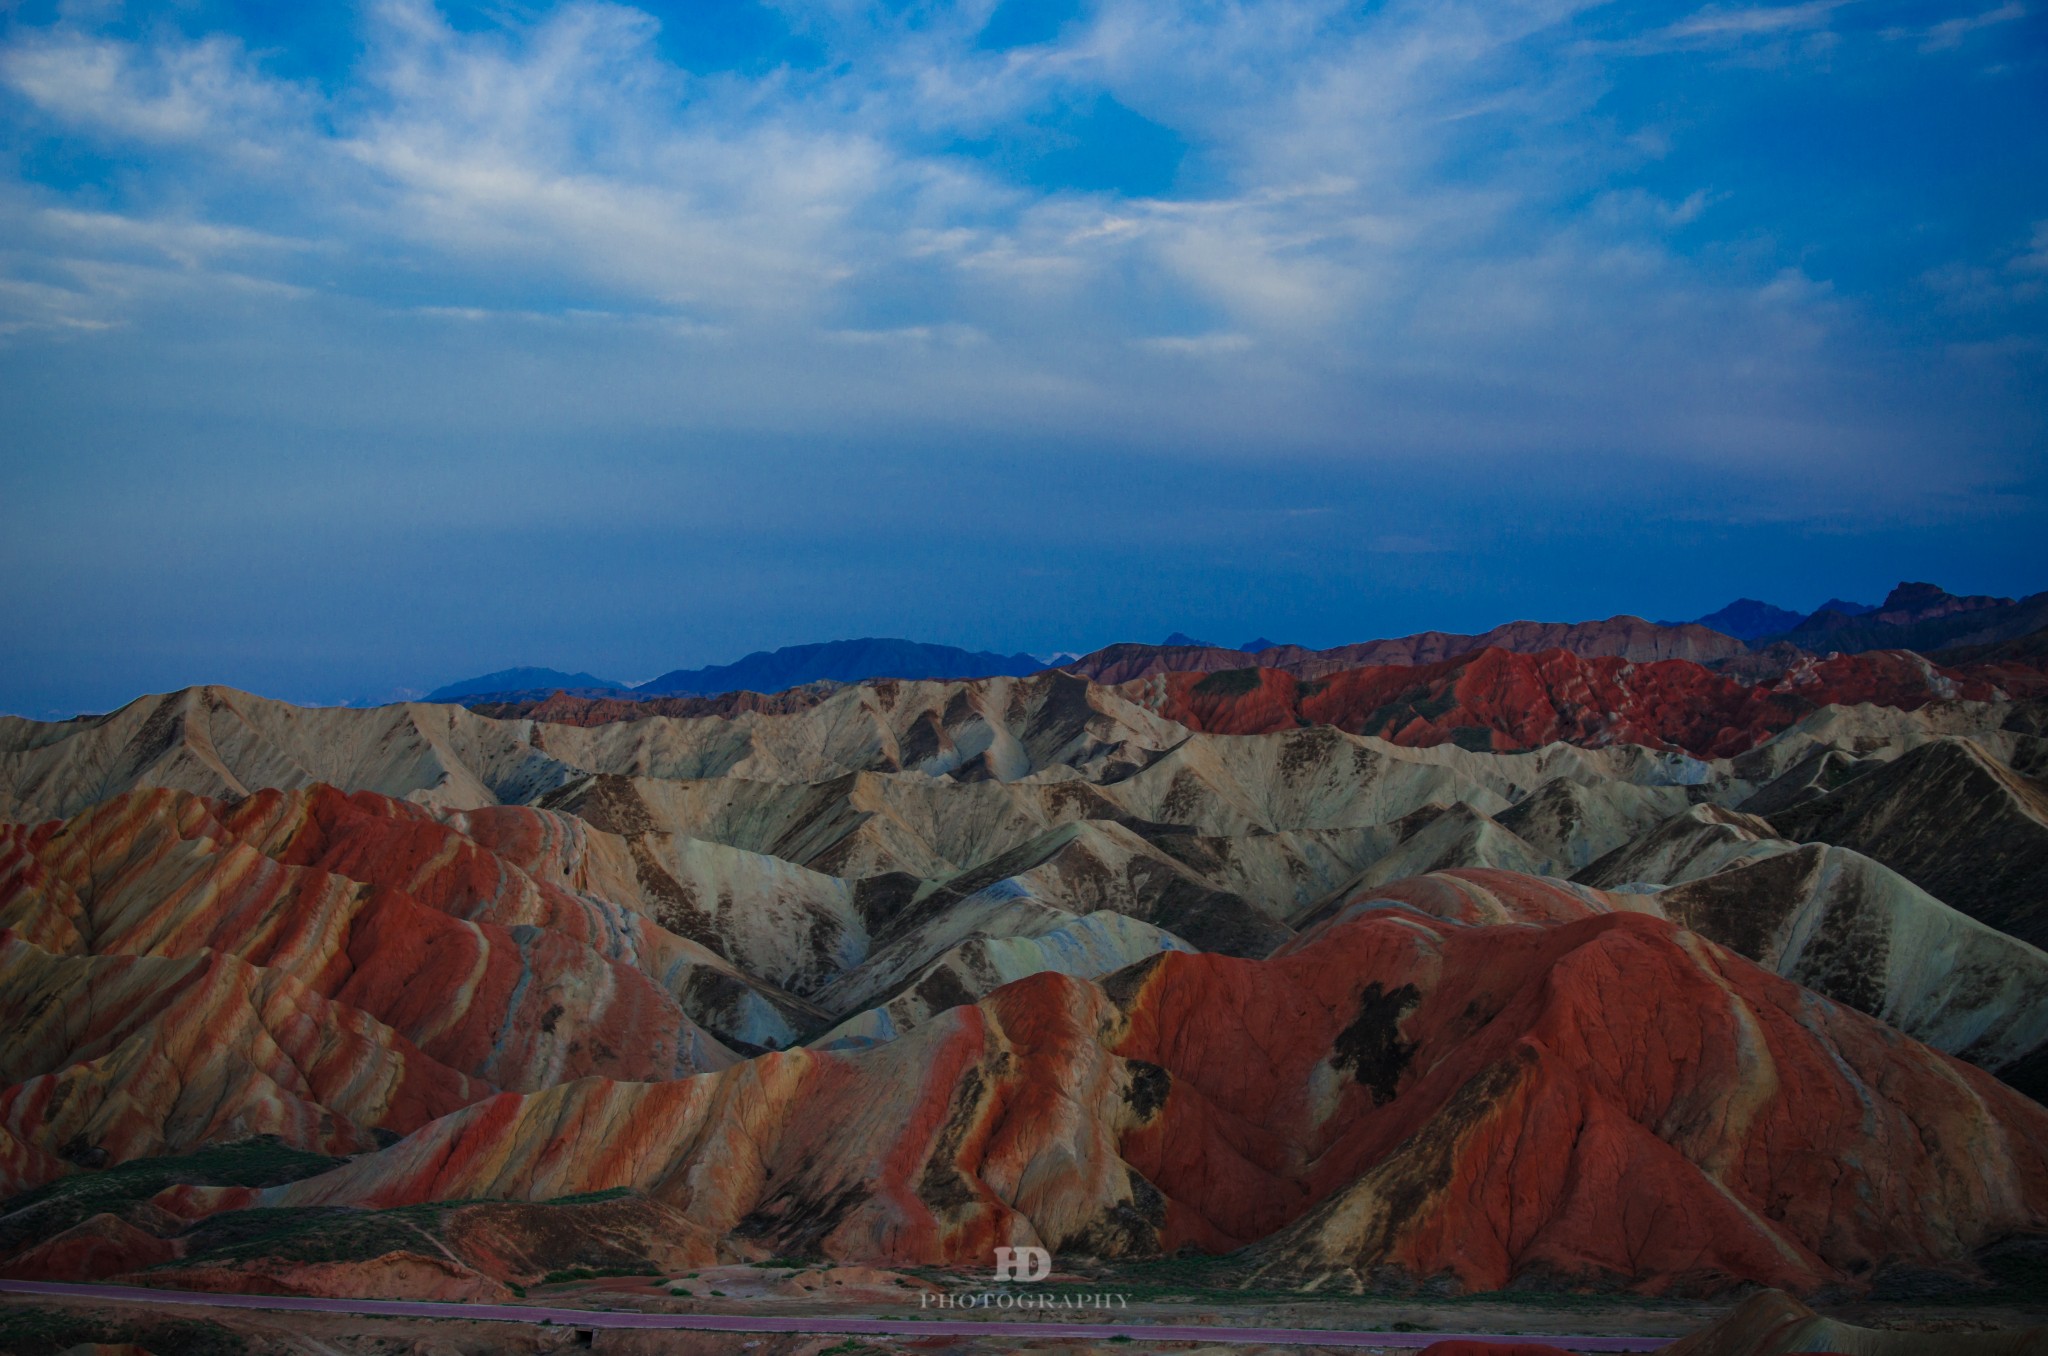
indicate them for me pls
(1749, 618)
(1911, 594)
(525, 678)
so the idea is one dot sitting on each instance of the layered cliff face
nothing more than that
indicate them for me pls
(914, 970)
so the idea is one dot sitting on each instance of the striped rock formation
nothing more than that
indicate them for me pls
(179, 972)
(1500, 699)
(1954, 819)
(1826, 918)
(1392, 1096)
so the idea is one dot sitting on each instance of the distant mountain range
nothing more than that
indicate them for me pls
(833, 661)
(525, 680)
(1746, 634)
(1919, 617)
(1913, 616)
(1748, 619)
(839, 661)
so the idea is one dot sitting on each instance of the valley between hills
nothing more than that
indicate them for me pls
(1658, 968)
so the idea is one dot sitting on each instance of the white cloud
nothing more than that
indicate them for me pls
(1950, 33)
(1380, 206)
(1197, 345)
(176, 92)
(1717, 22)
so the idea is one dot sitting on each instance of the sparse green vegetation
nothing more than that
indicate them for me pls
(591, 1197)
(56, 1206)
(568, 1274)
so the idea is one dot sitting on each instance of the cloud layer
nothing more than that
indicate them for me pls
(417, 268)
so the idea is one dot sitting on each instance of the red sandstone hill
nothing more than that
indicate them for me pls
(1501, 700)
(312, 964)
(1598, 1099)
(1563, 1086)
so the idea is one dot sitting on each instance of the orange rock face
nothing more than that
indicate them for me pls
(1502, 700)
(1602, 1100)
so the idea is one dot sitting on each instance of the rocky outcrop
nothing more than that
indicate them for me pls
(1952, 819)
(1574, 821)
(1441, 838)
(1697, 842)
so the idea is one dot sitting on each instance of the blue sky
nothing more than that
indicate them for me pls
(346, 349)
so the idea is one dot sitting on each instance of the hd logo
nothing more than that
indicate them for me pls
(1023, 1264)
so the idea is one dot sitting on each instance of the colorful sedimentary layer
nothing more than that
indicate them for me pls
(1826, 918)
(114, 1057)
(1499, 699)
(1955, 821)
(1074, 974)
(212, 971)
(1393, 1095)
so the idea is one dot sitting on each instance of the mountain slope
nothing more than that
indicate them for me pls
(1366, 1104)
(1826, 918)
(1952, 819)
(111, 1058)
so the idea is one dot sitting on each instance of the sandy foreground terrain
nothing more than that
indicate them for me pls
(34, 1325)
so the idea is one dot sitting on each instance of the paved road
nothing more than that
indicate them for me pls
(824, 1324)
